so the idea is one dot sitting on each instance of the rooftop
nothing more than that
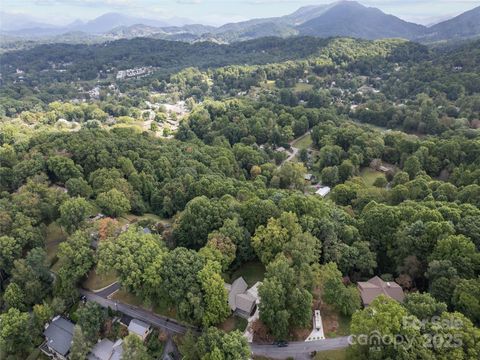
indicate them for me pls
(59, 335)
(374, 287)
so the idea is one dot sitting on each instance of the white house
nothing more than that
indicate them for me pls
(323, 191)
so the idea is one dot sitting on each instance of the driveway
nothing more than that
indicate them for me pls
(299, 350)
(106, 292)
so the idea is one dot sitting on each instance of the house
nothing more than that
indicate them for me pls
(139, 328)
(323, 191)
(308, 177)
(241, 301)
(383, 168)
(365, 89)
(374, 287)
(107, 350)
(58, 338)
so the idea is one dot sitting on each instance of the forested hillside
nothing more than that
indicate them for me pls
(175, 168)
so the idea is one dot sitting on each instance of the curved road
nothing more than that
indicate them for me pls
(297, 350)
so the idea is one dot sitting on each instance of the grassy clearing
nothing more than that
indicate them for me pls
(269, 84)
(340, 354)
(55, 235)
(369, 175)
(160, 308)
(233, 323)
(95, 281)
(127, 298)
(299, 87)
(304, 143)
(251, 272)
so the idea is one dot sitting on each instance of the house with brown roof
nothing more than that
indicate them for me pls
(374, 287)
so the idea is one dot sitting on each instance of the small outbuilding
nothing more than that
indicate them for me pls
(323, 191)
(139, 328)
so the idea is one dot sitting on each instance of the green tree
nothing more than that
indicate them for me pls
(412, 167)
(133, 348)
(14, 297)
(461, 252)
(75, 257)
(383, 317)
(113, 203)
(62, 169)
(179, 270)
(10, 249)
(15, 334)
(423, 306)
(137, 258)
(80, 346)
(215, 295)
(91, 317)
(200, 217)
(73, 213)
(78, 187)
(466, 299)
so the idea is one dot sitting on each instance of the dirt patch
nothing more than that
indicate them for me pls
(261, 334)
(300, 334)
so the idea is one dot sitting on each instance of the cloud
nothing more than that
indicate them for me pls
(188, 1)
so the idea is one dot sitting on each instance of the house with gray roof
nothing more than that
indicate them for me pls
(107, 350)
(58, 338)
(374, 287)
(241, 301)
(139, 328)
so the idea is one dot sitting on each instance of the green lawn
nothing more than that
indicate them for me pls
(55, 235)
(299, 87)
(304, 143)
(95, 281)
(340, 354)
(160, 308)
(251, 272)
(369, 175)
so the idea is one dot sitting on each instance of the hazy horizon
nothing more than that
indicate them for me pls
(212, 12)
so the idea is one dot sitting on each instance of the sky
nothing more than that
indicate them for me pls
(217, 12)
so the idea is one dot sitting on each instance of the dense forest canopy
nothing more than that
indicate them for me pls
(205, 159)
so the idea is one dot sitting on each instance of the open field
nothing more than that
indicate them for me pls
(299, 87)
(369, 175)
(55, 235)
(304, 143)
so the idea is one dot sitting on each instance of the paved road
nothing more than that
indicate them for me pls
(107, 291)
(149, 317)
(299, 350)
(295, 350)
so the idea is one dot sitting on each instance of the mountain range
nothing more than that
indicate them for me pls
(344, 18)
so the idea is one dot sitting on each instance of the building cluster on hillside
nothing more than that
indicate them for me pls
(134, 72)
